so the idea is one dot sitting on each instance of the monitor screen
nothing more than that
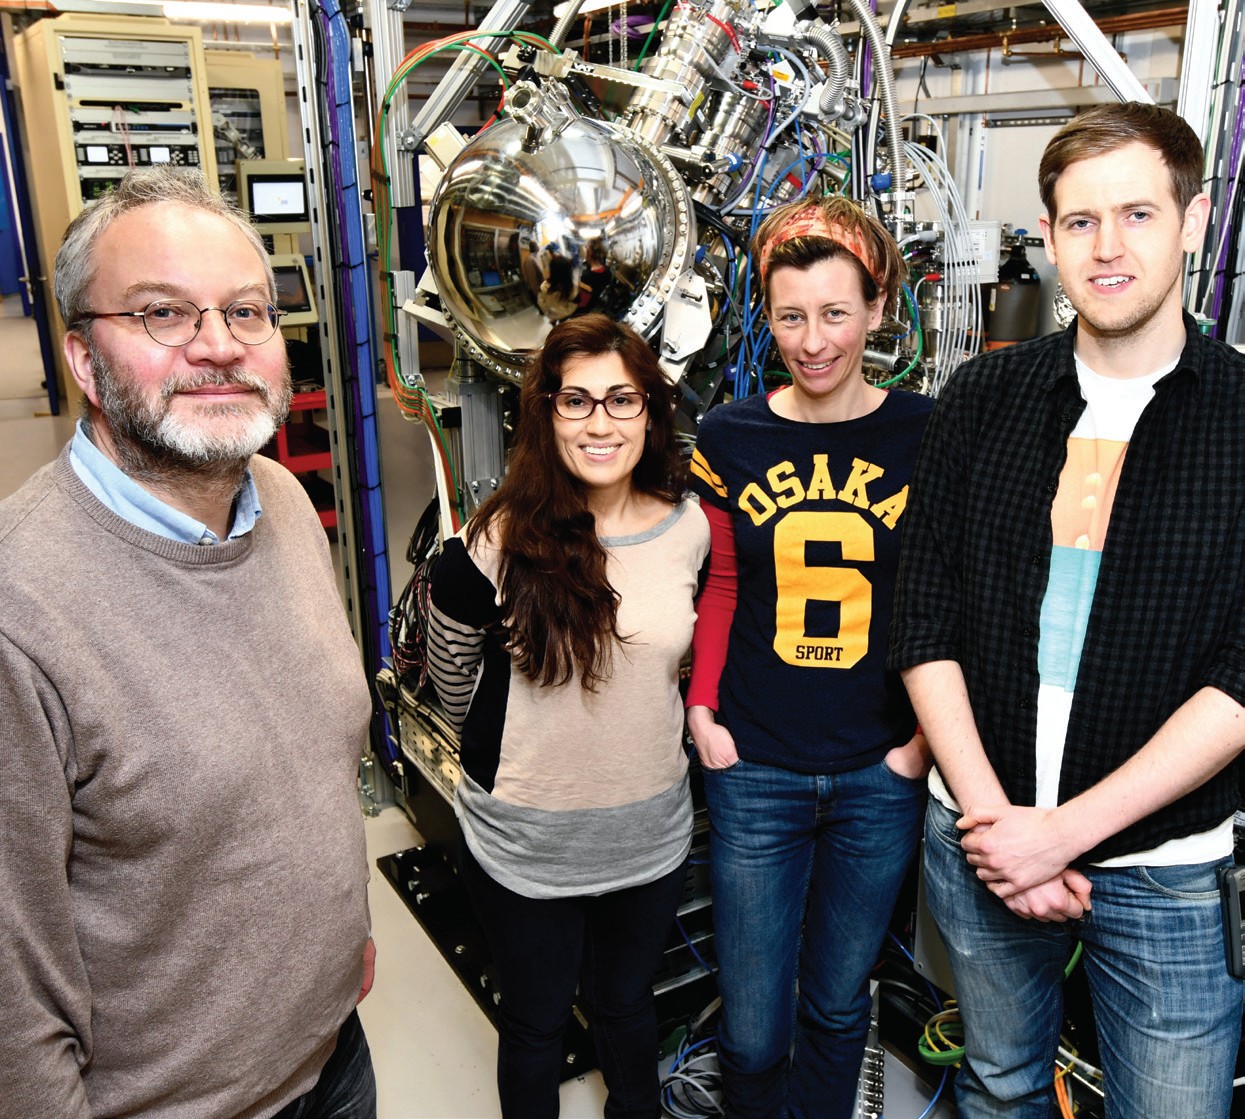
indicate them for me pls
(292, 293)
(277, 198)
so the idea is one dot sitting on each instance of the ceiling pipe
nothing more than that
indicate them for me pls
(1110, 25)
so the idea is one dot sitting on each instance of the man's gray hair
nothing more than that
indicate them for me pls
(144, 186)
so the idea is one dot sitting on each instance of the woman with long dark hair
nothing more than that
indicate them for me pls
(814, 767)
(559, 617)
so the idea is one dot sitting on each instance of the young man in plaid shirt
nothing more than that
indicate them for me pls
(1070, 624)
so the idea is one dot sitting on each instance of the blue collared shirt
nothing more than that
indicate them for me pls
(125, 497)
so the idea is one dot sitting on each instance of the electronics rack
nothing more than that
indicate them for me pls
(98, 95)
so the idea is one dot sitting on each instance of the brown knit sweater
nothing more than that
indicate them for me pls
(182, 862)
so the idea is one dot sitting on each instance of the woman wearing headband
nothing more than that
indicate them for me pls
(814, 766)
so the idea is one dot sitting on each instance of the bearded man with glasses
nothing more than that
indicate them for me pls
(168, 607)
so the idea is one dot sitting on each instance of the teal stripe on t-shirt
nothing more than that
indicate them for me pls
(1065, 614)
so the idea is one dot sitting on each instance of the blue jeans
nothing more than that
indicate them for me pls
(610, 946)
(805, 871)
(1167, 1012)
(347, 1087)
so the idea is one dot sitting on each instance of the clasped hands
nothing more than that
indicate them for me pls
(1022, 856)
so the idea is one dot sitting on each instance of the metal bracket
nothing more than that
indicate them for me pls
(559, 66)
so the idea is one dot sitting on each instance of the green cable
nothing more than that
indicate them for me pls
(920, 343)
(523, 36)
(383, 232)
(955, 1028)
(651, 33)
(383, 245)
(400, 74)
(951, 1030)
(402, 71)
(844, 158)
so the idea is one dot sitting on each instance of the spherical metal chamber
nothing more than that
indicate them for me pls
(546, 215)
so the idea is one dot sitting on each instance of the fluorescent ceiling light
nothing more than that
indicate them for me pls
(215, 11)
(591, 6)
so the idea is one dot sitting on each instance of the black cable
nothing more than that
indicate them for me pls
(921, 87)
(713, 219)
(408, 619)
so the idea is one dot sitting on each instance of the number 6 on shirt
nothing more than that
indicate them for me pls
(798, 584)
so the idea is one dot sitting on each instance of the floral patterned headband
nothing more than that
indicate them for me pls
(812, 222)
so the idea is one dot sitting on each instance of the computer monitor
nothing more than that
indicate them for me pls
(273, 192)
(293, 290)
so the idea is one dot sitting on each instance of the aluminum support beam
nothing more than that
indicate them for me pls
(1201, 37)
(388, 50)
(1095, 46)
(505, 15)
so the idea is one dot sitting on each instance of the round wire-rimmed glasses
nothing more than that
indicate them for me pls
(625, 404)
(176, 322)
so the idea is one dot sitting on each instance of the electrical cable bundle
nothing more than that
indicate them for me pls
(1070, 1067)
(408, 620)
(692, 1087)
(942, 1044)
(411, 395)
(962, 287)
(345, 248)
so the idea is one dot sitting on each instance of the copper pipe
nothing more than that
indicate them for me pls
(1056, 50)
(433, 30)
(1111, 25)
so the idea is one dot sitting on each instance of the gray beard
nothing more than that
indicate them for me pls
(154, 445)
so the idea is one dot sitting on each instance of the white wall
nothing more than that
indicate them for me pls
(996, 167)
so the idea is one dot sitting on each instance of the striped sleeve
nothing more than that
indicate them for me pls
(702, 471)
(705, 482)
(463, 604)
(454, 654)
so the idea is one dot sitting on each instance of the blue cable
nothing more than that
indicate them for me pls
(933, 1103)
(684, 1053)
(754, 346)
(938, 1003)
(933, 991)
(692, 948)
(912, 305)
(744, 361)
(799, 146)
(359, 378)
(781, 176)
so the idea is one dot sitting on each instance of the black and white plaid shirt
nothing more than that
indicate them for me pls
(1168, 614)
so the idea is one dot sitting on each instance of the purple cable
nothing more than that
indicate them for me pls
(866, 58)
(1221, 265)
(634, 23)
(769, 123)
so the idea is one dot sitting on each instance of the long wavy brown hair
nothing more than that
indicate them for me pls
(559, 609)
